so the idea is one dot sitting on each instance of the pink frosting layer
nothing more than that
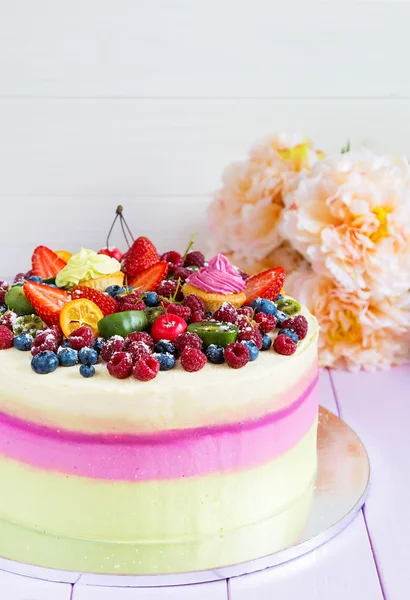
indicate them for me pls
(167, 455)
(219, 277)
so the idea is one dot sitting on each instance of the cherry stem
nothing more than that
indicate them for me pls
(124, 226)
(190, 244)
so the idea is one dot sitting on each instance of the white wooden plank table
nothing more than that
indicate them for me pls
(368, 561)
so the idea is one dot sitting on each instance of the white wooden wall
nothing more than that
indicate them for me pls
(144, 102)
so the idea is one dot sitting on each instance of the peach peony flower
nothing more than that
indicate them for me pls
(245, 212)
(356, 333)
(350, 218)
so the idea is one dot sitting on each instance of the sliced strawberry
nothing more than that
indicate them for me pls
(139, 257)
(149, 279)
(46, 263)
(267, 284)
(105, 303)
(47, 301)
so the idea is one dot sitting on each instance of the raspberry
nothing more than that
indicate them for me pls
(173, 258)
(138, 350)
(226, 313)
(299, 325)
(146, 368)
(194, 259)
(45, 340)
(111, 346)
(6, 338)
(3, 290)
(167, 288)
(243, 322)
(182, 273)
(182, 311)
(236, 355)
(244, 275)
(266, 322)
(20, 277)
(58, 332)
(81, 337)
(194, 302)
(188, 340)
(8, 319)
(139, 336)
(284, 345)
(192, 359)
(251, 335)
(120, 365)
(125, 306)
(197, 316)
(245, 310)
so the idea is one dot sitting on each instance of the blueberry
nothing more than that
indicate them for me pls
(3, 309)
(266, 342)
(114, 290)
(98, 344)
(35, 279)
(23, 342)
(280, 317)
(151, 299)
(53, 285)
(68, 357)
(87, 370)
(44, 362)
(65, 344)
(166, 360)
(88, 356)
(279, 297)
(253, 351)
(165, 346)
(265, 306)
(290, 333)
(215, 354)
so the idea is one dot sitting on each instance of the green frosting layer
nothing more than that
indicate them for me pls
(86, 264)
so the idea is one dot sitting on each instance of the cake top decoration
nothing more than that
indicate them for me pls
(86, 264)
(219, 277)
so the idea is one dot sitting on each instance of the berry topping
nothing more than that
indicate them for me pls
(253, 351)
(226, 313)
(120, 365)
(280, 318)
(293, 336)
(138, 350)
(245, 310)
(114, 290)
(46, 263)
(47, 302)
(194, 302)
(194, 259)
(166, 346)
(45, 340)
(178, 309)
(267, 284)
(81, 337)
(197, 316)
(243, 322)
(236, 355)
(149, 279)
(20, 277)
(139, 257)
(299, 325)
(4, 287)
(188, 340)
(88, 356)
(23, 342)
(168, 289)
(6, 338)
(288, 306)
(98, 344)
(173, 258)
(266, 342)
(139, 336)
(30, 324)
(265, 322)
(215, 354)
(151, 299)
(192, 359)
(111, 346)
(182, 273)
(35, 279)
(146, 368)
(251, 335)
(166, 360)
(105, 303)
(112, 253)
(68, 357)
(87, 370)
(283, 344)
(265, 306)
(130, 301)
(168, 327)
(45, 362)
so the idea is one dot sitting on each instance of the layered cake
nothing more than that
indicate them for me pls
(157, 414)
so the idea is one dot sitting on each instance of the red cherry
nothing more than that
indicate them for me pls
(112, 253)
(168, 327)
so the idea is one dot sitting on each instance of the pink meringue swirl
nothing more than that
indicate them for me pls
(219, 277)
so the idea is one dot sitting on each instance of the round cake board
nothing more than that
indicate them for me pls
(341, 486)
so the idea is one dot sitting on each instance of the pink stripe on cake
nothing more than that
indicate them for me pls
(166, 455)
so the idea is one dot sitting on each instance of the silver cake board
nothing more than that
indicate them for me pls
(341, 487)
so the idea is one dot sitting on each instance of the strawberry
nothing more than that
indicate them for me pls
(139, 257)
(267, 284)
(105, 303)
(45, 263)
(47, 301)
(149, 279)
